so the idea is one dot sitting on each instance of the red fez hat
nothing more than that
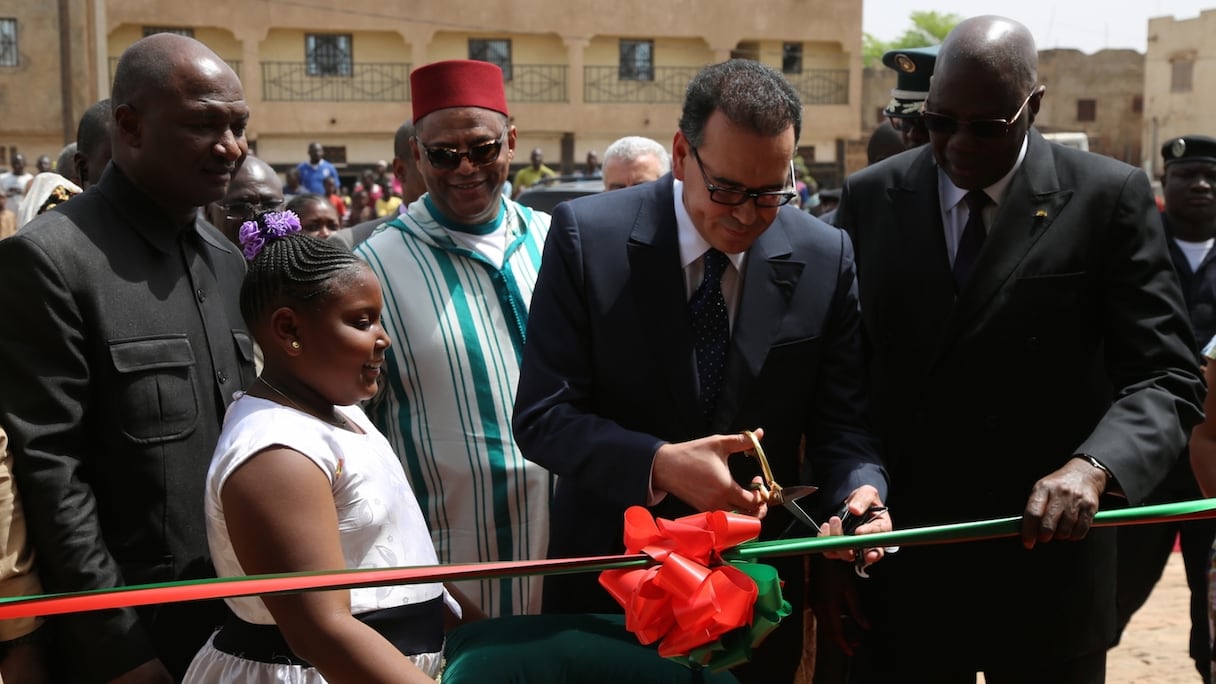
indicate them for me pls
(457, 83)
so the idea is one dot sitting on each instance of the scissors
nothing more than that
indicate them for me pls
(788, 497)
(774, 493)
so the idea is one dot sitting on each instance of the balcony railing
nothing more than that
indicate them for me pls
(366, 82)
(537, 83)
(604, 84)
(234, 63)
(821, 86)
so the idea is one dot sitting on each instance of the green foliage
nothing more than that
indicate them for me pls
(928, 28)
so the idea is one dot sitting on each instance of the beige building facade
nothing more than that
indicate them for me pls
(579, 74)
(1100, 95)
(51, 53)
(1179, 82)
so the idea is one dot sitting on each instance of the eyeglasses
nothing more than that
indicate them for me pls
(906, 123)
(767, 199)
(980, 128)
(238, 211)
(448, 159)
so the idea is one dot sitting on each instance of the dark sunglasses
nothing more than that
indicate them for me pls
(481, 154)
(907, 123)
(767, 199)
(980, 128)
(247, 210)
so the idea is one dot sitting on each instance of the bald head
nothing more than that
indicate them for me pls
(179, 122)
(65, 165)
(254, 189)
(93, 142)
(413, 185)
(1000, 47)
(983, 99)
(884, 142)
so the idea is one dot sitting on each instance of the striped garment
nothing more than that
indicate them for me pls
(457, 323)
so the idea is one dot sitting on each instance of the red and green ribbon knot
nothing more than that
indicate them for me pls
(702, 610)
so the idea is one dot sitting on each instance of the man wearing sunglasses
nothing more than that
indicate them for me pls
(457, 270)
(669, 317)
(1030, 355)
(255, 189)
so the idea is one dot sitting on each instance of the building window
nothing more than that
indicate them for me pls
(1087, 110)
(637, 60)
(9, 56)
(1137, 104)
(334, 154)
(492, 50)
(177, 30)
(328, 54)
(791, 58)
(1182, 69)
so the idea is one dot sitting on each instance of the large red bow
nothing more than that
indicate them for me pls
(690, 598)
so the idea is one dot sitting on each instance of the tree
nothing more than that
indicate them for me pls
(928, 28)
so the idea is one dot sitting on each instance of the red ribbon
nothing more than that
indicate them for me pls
(691, 598)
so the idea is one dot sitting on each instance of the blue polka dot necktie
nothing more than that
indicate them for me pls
(972, 239)
(710, 329)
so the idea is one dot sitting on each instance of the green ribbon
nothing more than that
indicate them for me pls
(735, 647)
(228, 587)
(966, 531)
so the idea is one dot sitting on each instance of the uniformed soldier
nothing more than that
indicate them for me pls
(914, 66)
(1189, 186)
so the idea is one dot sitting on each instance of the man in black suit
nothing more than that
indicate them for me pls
(122, 345)
(670, 316)
(1030, 352)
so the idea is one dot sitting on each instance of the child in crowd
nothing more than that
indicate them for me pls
(318, 217)
(302, 481)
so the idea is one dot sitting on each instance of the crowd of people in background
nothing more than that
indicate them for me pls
(211, 367)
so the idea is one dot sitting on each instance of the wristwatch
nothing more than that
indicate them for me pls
(1112, 485)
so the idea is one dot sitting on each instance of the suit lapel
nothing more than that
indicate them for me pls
(769, 281)
(657, 284)
(919, 248)
(1031, 203)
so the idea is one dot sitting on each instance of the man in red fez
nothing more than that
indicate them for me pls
(457, 271)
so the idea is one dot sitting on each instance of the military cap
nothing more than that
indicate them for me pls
(1189, 148)
(914, 66)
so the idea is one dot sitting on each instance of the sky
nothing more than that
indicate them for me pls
(1087, 25)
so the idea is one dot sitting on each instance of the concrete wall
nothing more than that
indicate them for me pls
(1170, 114)
(573, 34)
(53, 83)
(1113, 79)
(569, 36)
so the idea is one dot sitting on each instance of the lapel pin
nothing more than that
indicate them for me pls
(1040, 214)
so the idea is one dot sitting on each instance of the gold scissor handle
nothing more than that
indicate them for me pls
(771, 489)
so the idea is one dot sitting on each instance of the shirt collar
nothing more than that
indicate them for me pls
(147, 220)
(951, 194)
(692, 245)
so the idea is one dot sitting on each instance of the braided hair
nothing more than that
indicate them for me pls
(291, 269)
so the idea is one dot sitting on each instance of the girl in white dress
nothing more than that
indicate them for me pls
(301, 481)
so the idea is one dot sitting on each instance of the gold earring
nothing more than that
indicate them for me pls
(295, 344)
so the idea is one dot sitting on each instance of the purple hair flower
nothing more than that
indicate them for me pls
(266, 227)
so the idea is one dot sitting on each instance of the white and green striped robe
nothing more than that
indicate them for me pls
(457, 323)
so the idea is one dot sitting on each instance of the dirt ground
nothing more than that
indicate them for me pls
(1153, 649)
(1154, 646)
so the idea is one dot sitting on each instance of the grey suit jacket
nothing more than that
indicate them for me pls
(122, 345)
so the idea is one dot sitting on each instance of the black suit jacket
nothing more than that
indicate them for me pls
(608, 372)
(122, 345)
(1070, 338)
